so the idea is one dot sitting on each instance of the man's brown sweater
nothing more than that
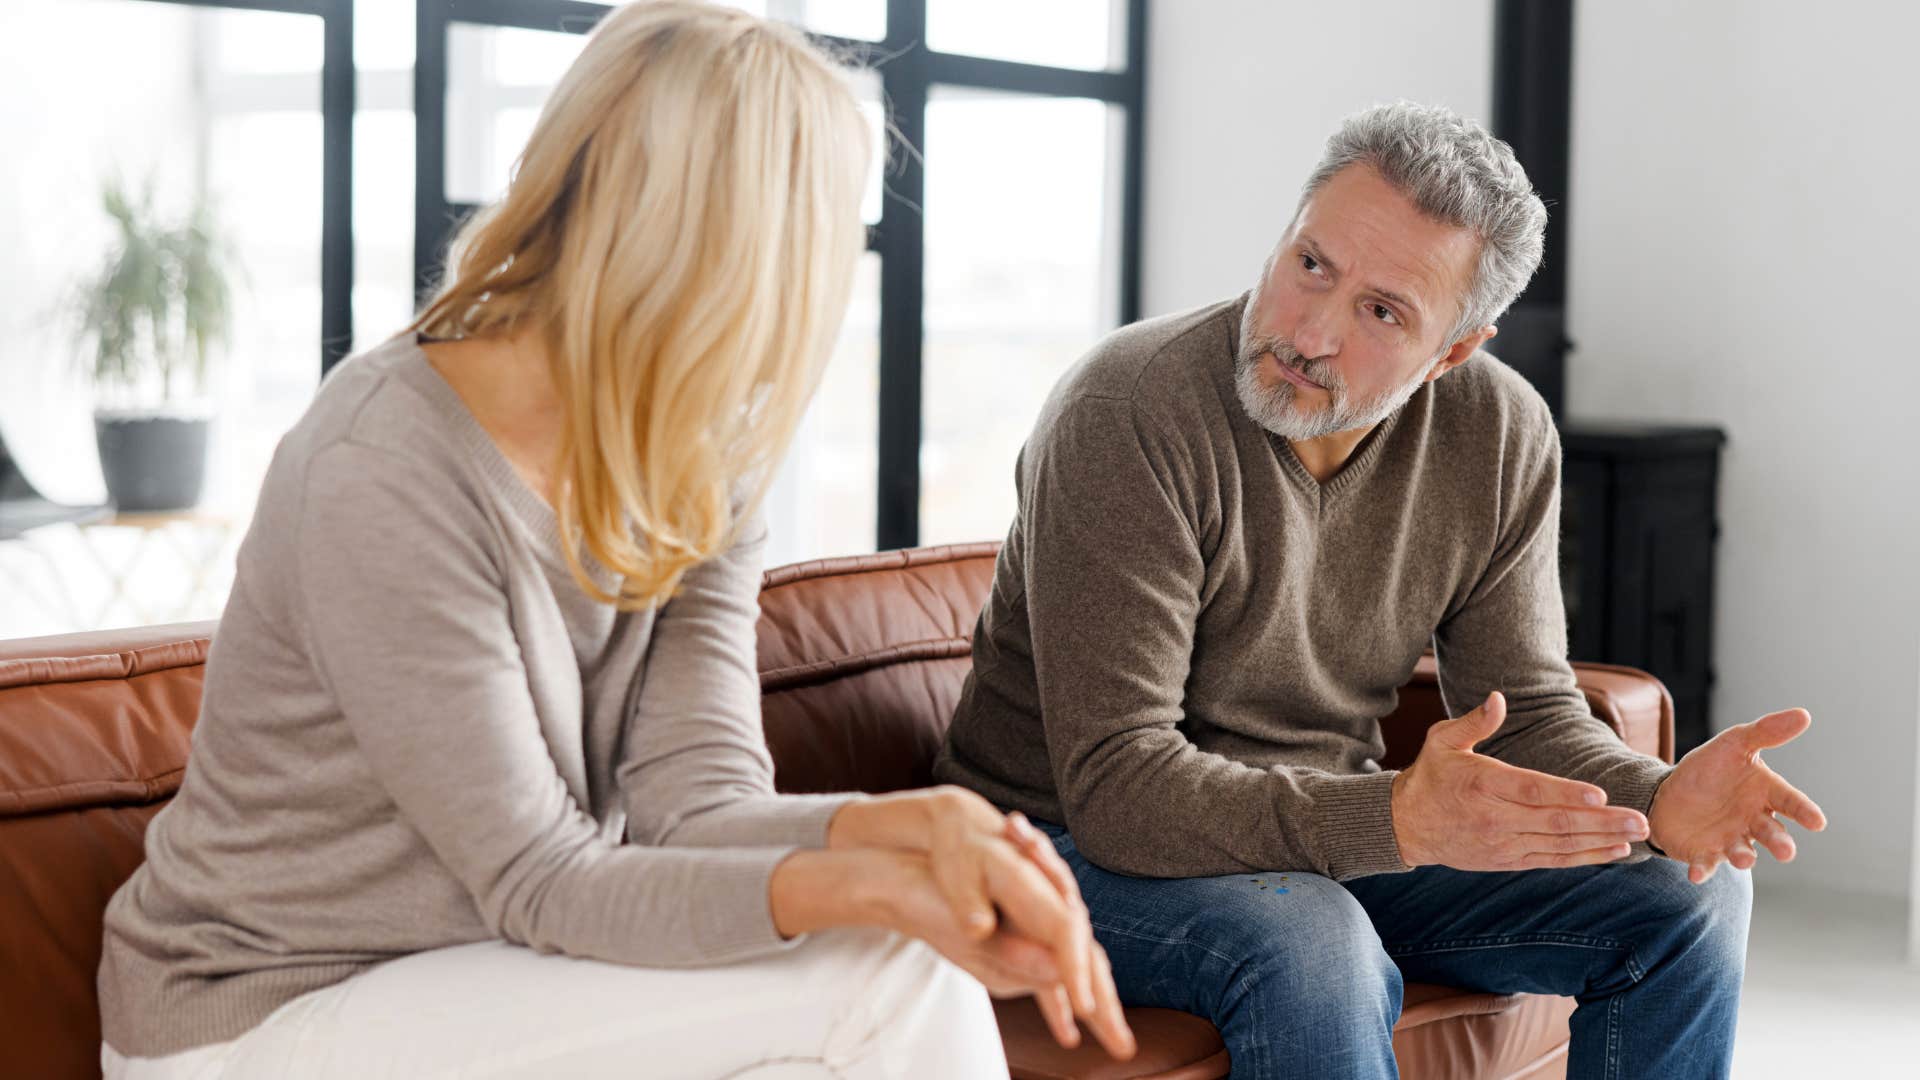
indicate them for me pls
(1190, 641)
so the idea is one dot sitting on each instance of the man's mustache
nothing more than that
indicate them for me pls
(1314, 371)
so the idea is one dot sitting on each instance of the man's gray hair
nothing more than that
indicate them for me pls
(1456, 173)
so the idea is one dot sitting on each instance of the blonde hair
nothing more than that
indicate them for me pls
(682, 230)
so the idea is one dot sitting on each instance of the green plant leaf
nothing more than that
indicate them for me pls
(161, 303)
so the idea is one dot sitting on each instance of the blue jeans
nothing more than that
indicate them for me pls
(1302, 974)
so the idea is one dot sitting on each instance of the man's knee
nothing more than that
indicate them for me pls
(1720, 912)
(1309, 951)
(1701, 927)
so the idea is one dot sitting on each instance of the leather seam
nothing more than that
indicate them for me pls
(62, 670)
(87, 794)
(817, 672)
(862, 565)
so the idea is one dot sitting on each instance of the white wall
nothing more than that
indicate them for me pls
(1241, 95)
(1742, 242)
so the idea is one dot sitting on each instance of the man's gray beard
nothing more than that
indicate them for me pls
(1273, 407)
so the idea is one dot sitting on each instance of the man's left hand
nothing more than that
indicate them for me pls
(1721, 799)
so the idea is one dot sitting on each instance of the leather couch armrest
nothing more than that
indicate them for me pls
(1635, 704)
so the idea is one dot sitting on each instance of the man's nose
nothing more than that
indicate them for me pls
(1318, 334)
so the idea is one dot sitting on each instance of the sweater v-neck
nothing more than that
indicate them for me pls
(1357, 465)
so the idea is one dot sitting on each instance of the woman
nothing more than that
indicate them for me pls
(479, 752)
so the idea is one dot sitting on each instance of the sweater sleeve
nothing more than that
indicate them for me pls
(695, 770)
(1114, 576)
(1510, 635)
(406, 621)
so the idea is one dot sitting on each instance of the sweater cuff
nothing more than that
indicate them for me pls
(1353, 822)
(734, 920)
(761, 821)
(810, 815)
(1634, 789)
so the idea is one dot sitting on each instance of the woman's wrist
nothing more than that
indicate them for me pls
(812, 889)
(902, 820)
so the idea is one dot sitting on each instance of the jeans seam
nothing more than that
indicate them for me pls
(1498, 941)
(1612, 1071)
(1630, 962)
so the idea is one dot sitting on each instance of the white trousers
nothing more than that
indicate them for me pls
(858, 1003)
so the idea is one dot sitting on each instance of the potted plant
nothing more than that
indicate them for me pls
(150, 320)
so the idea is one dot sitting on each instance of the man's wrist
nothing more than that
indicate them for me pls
(1653, 836)
(1402, 831)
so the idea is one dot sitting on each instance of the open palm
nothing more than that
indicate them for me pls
(1721, 799)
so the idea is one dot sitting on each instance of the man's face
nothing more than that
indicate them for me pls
(1352, 310)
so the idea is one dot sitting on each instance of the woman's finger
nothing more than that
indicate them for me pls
(1052, 1000)
(1039, 848)
(1109, 1019)
(1026, 962)
(1036, 911)
(962, 881)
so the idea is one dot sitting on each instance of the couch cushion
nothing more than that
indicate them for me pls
(1442, 1032)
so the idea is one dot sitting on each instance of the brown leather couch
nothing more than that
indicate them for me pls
(861, 660)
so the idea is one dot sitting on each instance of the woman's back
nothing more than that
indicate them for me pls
(412, 732)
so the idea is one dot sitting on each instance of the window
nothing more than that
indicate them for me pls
(340, 139)
(1021, 277)
(186, 105)
(1004, 244)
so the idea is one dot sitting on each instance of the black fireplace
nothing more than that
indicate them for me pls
(1638, 523)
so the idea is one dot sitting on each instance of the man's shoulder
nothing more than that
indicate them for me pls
(1154, 358)
(1485, 399)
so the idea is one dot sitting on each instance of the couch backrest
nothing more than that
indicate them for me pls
(861, 663)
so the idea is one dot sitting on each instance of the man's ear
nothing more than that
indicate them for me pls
(1461, 351)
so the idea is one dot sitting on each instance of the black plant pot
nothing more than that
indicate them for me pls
(152, 463)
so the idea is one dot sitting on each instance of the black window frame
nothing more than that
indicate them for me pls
(908, 73)
(338, 103)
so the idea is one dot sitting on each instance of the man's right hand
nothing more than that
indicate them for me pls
(1457, 808)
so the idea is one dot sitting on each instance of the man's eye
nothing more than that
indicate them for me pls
(1309, 263)
(1385, 314)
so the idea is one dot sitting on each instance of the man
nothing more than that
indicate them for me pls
(1238, 528)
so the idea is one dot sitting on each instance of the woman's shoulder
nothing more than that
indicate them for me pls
(386, 400)
(377, 447)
